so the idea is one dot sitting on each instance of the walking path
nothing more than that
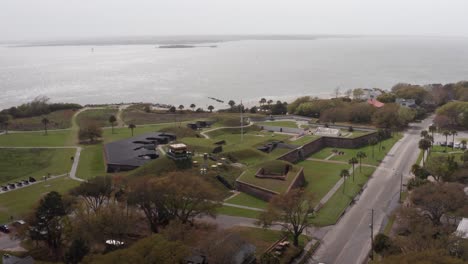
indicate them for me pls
(339, 162)
(329, 157)
(244, 207)
(218, 128)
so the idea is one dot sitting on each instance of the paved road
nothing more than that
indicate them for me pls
(349, 240)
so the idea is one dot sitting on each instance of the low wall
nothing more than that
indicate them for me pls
(256, 191)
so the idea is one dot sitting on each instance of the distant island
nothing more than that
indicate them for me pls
(179, 46)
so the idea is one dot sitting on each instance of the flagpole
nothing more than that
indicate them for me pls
(242, 122)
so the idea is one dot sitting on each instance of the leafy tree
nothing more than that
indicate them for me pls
(76, 252)
(357, 94)
(423, 257)
(290, 211)
(344, 174)
(172, 109)
(47, 223)
(193, 106)
(296, 103)
(45, 122)
(91, 131)
(442, 168)
(424, 145)
(94, 192)
(269, 258)
(361, 155)
(435, 200)
(112, 120)
(211, 108)
(279, 108)
(387, 98)
(262, 102)
(353, 161)
(383, 245)
(424, 133)
(231, 103)
(463, 142)
(181, 107)
(269, 102)
(186, 197)
(132, 127)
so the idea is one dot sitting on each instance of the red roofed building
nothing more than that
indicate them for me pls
(375, 103)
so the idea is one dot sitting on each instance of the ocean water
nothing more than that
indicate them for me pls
(240, 70)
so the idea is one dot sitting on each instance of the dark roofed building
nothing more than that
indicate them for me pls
(131, 153)
(10, 259)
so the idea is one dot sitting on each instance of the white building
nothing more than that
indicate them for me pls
(462, 229)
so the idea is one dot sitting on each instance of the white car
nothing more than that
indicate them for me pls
(457, 145)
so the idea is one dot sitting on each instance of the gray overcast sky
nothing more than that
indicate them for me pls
(60, 19)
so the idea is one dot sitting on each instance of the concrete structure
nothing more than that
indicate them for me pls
(325, 131)
(462, 229)
(131, 153)
(178, 152)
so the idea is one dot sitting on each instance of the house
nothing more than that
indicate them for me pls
(10, 259)
(411, 103)
(375, 103)
(370, 93)
(462, 229)
(131, 153)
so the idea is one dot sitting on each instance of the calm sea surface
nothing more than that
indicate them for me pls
(248, 69)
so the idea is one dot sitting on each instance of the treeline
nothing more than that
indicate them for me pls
(453, 114)
(37, 107)
(266, 106)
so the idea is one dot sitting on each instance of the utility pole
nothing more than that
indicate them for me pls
(401, 185)
(372, 234)
(242, 121)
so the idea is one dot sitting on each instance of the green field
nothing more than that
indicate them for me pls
(331, 211)
(98, 116)
(19, 164)
(247, 200)
(57, 120)
(91, 162)
(291, 124)
(303, 140)
(37, 139)
(349, 153)
(321, 176)
(125, 132)
(19, 202)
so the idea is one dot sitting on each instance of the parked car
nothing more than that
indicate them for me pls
(4, 229)
(450, 144)
(19, 184)
(31, 179)
(11, 186)
(443, 144)
(25, 182)
(4, 188)
(456, 145)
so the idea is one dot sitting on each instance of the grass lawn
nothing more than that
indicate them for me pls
(19, 164)
(303, 140)
(99, 116)
(37, 139)
(259, 237)
(91, 162)
(349, 153)
(19, 202)
(58, 120)
(234, 211)
(125, 132)
(331, 211)
(136, 115)
(321, 176)
(270, 184)
(278, 124)
(247, 200)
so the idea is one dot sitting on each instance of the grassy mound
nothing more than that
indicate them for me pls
(247, 156)
(57, 120)
(180, 132)
(98, 116)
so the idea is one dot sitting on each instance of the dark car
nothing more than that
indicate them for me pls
(443, 144)
(19, 184)
(4, 229)
(4, 188)
(25, 182)
(450, 144)
(31, 179)
(12, 186)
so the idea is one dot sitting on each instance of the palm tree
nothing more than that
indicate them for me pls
(446, 133)
(415, 169)
(373, 142)
(432, 129)
(132, 127)
(231, 103)
(210, 107)
(193, 107)
(269, 102)
(344, 174)
(424, 144)
(361, 155)
(353, 161)
(453, 133)
(112, 121)
(424, 133)
(45, 122)
(181, 107)
(262, 102)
